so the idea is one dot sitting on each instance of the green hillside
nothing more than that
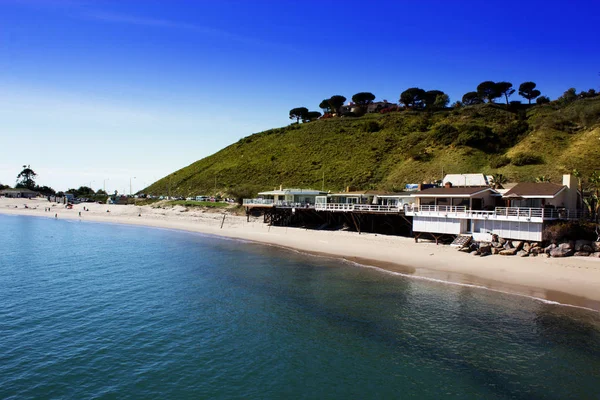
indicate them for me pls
(386, 151)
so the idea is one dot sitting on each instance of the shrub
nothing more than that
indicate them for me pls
(572, 230)
(389, 110)
(478, 136)
(499, 161)
(445, 134)
(512, 132)
(370, 126)
(521, 159)
(542, 100)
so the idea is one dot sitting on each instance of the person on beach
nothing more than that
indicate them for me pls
(56, 215)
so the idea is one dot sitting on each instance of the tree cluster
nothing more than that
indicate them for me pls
(302, 113)
(417, 98)
(488, 91)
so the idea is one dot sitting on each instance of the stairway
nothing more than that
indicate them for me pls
(461, 241)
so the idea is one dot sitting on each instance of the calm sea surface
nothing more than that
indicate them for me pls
(108, 311)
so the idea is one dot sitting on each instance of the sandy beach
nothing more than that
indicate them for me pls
(573, 281)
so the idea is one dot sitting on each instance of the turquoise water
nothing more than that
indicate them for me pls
(108, 311)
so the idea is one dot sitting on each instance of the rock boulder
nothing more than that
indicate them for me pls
(508, 252)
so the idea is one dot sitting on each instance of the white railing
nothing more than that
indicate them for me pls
(291, 204)
(507, 213)
(263, 202)
(432, 209)
(346, 207)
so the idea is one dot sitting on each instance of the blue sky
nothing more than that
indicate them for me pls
(103, 91)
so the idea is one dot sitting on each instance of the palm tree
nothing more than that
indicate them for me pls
(592, 202)
(577, 175)
(542, 178)
(498, 180)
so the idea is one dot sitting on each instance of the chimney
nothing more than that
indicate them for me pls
(280, 187)
(571, 196)
(347, 189)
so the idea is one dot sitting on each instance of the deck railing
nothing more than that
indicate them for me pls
(508, 213)
(263, 202)
(357, 207)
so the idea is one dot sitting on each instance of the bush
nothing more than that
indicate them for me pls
(478, 136)
(571, 230)
(445, 134)
(512, 132)
(370, 126)
(521, 159)
(543, 100)
(499, 161)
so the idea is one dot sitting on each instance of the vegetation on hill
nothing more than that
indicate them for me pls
(386, 151)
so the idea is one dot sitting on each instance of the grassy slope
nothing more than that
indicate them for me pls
(403, 150)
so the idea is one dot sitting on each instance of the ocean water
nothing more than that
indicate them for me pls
(109, 311)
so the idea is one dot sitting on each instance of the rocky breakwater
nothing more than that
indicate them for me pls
(504, 247)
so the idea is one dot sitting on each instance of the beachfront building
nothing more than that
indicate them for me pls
(19, 193)
(365, 201)
(285, 198)
(520, 213)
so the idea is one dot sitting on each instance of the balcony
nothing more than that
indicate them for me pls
(258, 202)
(272, 203)
(352, 207)
(499, 213)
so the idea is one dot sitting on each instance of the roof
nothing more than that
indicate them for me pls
(535, 190)
(468, 179)
(397, 195)
(468, 191)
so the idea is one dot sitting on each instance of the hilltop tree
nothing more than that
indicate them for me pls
(441, 101)
(298, 113)
(471, 98)
(325, 106)
(505, 89)
(312, 116)
(363, 99)
(430, 96)
(2, 187)
(568, 96)
(335, 102)
(26, 178)
(413, 97)
(528, 90)
(488, 90)
(542, 100)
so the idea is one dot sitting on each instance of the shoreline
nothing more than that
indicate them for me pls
(573, 281)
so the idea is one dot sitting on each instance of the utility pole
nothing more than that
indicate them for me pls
(130, 191)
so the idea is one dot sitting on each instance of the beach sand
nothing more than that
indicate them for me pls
(573, 280)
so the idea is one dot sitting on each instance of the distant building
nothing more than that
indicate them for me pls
(285, 198)
(19, 193)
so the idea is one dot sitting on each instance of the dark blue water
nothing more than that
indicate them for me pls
(107, 311)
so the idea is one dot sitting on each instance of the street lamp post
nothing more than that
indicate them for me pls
(104, 184)
(130, 191)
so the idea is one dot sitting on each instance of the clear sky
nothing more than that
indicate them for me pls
(99, 92)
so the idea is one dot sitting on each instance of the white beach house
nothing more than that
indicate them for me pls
(481, 211)
(285, 198)
(364, 201)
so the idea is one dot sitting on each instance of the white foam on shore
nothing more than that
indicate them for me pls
(470, 285)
